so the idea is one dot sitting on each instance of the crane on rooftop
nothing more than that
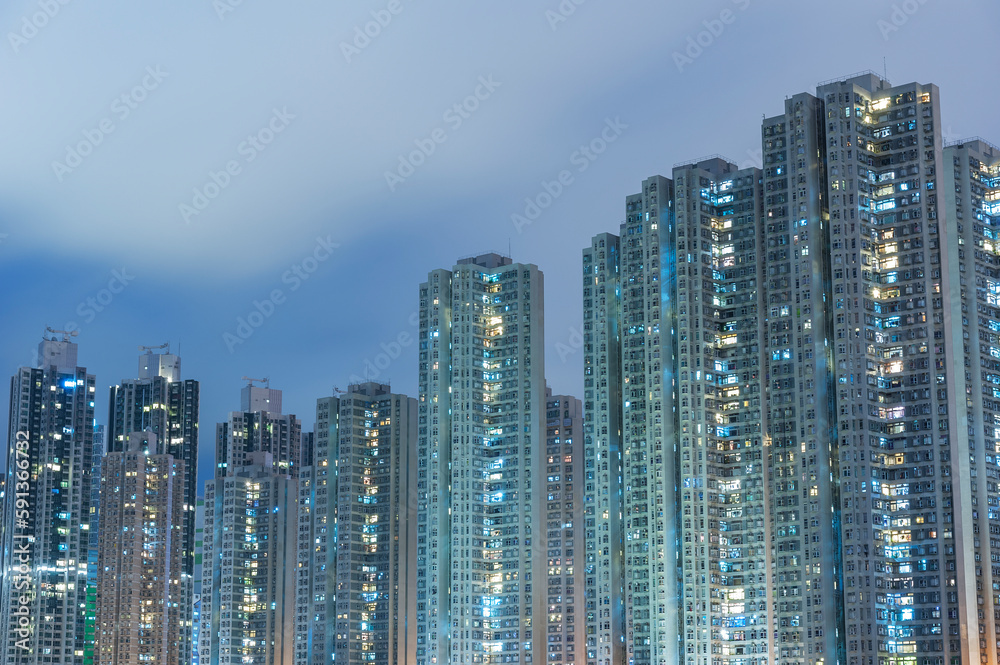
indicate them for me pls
(65, 333)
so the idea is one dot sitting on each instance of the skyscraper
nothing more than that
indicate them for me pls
(827, 395)
(799, 384)
(970, 178)
(481, 537)
(671, 351)
(566, 630)
(629, 351)
(159, 401)
(899, 407)
(259, 426)
(247, 603)
(140, 596)
(199, 575)
(722, 500)
(100, 436)
(46, 510)
(604, 585)
(248, 589)
(357, 531)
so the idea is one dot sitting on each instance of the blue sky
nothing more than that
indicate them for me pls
(118, 116)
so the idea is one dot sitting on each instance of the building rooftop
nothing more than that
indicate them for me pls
(489, 260)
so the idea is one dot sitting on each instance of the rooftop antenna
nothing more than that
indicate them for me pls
(266, 381)
(165, 345)
(65, 333)
(885, 70)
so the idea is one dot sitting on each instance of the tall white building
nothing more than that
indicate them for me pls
(602, 433)
(815, 345)
(163, 404)
(564, 525)
(141, 603)
(199, 576)
(357, 531)
(633, 566)
(259, 426)
(248, 589)
(723, 508)
(481, 484)
(249, 550)
(887, 312)
(970, 189)
(47, 510)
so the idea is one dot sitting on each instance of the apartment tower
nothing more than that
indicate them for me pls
(140, 599)
(357, 531)
(481, 484)
(566, 631)
(248, 591)
(259, 426)
(160, 402)
(604, 589)
(47, 510)
(970, 188)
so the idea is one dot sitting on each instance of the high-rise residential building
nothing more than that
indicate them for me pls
(567, 628)
(199, 576)
(100, 435)
(259, 426)
(247, 600)
(715, 243)
(630, 435)
(481, 537)
(160, 402)
(358, 531)
(248, 586)
(970, 189)
(822, 372)
(648, 461)
(799, 385)
(46, 510)
(894, 453)
(140, 595)
(602, 436)
(673, 433)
